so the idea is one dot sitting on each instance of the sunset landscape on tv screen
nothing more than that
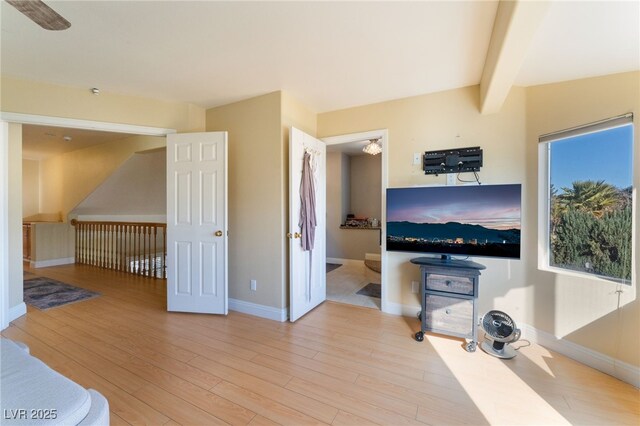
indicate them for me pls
(479, 220)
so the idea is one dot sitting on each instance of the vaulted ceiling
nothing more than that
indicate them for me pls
(330, 55)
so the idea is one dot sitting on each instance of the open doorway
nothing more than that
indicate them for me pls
(11, 215)
(93, 180)
(355, 213)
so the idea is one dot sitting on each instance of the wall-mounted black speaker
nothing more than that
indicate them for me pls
(452, 161)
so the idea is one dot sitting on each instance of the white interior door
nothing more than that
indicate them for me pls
(307, 269)
(197, 222)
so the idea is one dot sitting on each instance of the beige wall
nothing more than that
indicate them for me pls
(433, 122)
(67, 179)
(256, 234)
(366, 182)
(28, 97)
(345, 176)
(298, 115)
(258, 191)
(43, 217)
(30, 187)
(51, 241)
(579, 309)
(354, 243)
(365, 197)
(52, 184)
(137, 187)
(335, 205)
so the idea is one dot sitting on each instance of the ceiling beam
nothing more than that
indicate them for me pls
(515, 25)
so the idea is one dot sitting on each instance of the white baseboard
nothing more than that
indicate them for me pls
(261, 311)
(403, 310)
(344, 261)
(17, 311)
(621, 370)
(52, 262)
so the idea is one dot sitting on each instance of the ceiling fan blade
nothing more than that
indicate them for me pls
(41, 14)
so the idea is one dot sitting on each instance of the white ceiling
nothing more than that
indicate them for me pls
(583, 39)
(351, 149)
(39, 142)
(329, 55)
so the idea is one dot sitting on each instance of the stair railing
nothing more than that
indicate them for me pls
(138, 248)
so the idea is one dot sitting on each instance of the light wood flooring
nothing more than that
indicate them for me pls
(339, 365)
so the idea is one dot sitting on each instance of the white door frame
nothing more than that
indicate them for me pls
(4, 225)
(72, 123)
(383, 134)
(42, 120)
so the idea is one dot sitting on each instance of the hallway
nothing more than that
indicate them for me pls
(344, 282)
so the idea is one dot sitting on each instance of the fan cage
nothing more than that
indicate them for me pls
(499, 326)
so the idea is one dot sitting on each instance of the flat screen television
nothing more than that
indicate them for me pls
(460, 220)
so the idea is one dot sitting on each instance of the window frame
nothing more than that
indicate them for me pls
(544, 196)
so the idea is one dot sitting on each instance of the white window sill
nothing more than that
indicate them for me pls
(584, 275)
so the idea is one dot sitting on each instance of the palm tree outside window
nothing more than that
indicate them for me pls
(589, 194)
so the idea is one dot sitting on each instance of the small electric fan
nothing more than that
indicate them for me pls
(500, 331)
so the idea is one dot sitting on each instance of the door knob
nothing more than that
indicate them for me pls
(218, 234)
(297, 235)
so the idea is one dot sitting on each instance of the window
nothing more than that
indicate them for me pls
(587, 186)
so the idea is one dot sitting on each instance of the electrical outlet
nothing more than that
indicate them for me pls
(254, 285)
(415, 286)
(451, 179)
(417, 158)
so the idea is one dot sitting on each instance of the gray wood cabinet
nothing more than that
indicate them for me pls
(449, 296)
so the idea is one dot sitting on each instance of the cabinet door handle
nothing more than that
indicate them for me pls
(447, 311)
(447, 283)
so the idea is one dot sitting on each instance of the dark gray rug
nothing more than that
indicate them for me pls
(45, 293)
(371, 290)
(332, 266)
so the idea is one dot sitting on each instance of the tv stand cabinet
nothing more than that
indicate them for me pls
(449, 298)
